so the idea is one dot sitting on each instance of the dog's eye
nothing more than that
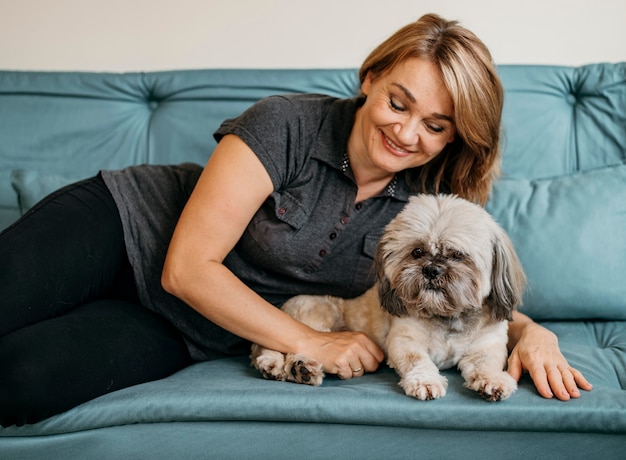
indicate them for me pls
(457, 255)
(417, 253)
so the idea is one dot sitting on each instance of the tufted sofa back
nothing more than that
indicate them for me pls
(559, 120)
(562, 197)
(75, 124)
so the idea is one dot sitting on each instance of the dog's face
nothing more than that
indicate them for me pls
(443, 256)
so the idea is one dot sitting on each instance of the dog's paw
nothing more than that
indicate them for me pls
(494, 387)
(425, 386)
(271, 364)
(303, 370)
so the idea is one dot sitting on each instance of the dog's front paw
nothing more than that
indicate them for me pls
(271, 364)
(425, 386)
(494, 387)
(303, 370)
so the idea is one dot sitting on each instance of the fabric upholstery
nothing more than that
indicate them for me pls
(561, 199)
(569, 234)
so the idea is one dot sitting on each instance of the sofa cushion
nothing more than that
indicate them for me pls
(559, 119)
(569, 235)
(31, 186)
(559, 226)
(231, 390)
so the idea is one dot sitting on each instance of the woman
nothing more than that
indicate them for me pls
(151, 268)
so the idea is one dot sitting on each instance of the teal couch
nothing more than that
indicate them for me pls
(562, 198)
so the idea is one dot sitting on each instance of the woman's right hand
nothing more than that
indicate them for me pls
(347, 354)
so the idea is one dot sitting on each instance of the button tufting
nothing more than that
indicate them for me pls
(571, 99)
(153, 104)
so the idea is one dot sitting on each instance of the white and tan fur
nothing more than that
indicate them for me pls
(448, 283)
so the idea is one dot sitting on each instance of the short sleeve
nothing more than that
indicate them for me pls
(272, 129)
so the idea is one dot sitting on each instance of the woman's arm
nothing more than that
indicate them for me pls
(232, 187)
(536, 349)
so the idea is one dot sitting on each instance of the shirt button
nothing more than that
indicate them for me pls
(282, 211)
(344, 220)
(333, 235)
(322, 252)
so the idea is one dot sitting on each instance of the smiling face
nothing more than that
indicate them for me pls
(406, 120)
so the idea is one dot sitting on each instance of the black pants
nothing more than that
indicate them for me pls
(71, 325)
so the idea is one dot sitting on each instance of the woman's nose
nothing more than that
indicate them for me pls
(407, 132)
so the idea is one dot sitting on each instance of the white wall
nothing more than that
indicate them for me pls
(129, 35)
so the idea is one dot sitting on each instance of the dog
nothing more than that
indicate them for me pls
(448, 281)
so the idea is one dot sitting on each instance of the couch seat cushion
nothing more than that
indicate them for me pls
(230, 390)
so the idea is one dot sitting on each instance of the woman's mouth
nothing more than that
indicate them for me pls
(394, 147)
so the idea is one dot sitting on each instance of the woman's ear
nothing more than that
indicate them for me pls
(367, 83)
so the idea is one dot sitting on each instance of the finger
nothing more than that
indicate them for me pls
(539, 377)
(355, 369)
(580, 380)
(557, 383)
(344, 374)
(371, 347)
(369, 354)
(573, 380)
(514, 367)
(377, 353)
(347, 371)
(368, 362)
(358, 371)
(569, 382)
(372, 367)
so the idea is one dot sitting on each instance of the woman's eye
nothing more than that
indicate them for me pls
(395, 105)
(435, 128)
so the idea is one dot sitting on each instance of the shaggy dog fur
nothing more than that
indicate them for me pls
(448, 283)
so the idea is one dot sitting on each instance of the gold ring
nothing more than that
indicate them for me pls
(356, 371)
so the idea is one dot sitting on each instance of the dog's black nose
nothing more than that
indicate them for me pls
(432, 271)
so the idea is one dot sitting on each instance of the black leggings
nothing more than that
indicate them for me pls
(71, 325)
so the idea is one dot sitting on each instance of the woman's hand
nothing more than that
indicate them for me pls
(536, 350)
(347, 354)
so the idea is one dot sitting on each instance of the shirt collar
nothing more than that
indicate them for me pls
(398, 188)
(332, 138)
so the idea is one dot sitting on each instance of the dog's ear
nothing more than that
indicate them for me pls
(507, 279)
(389, 300)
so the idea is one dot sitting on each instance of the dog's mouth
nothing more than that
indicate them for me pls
(432, 300)
(432, 286)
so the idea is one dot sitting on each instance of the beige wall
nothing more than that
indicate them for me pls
(129, 35)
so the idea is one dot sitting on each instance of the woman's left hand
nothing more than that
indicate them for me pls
(537, 352)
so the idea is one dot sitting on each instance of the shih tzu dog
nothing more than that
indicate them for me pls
(448, 282)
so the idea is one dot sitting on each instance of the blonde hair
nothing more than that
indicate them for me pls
(468, 165)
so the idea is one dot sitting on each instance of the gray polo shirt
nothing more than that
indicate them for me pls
(308, 237)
